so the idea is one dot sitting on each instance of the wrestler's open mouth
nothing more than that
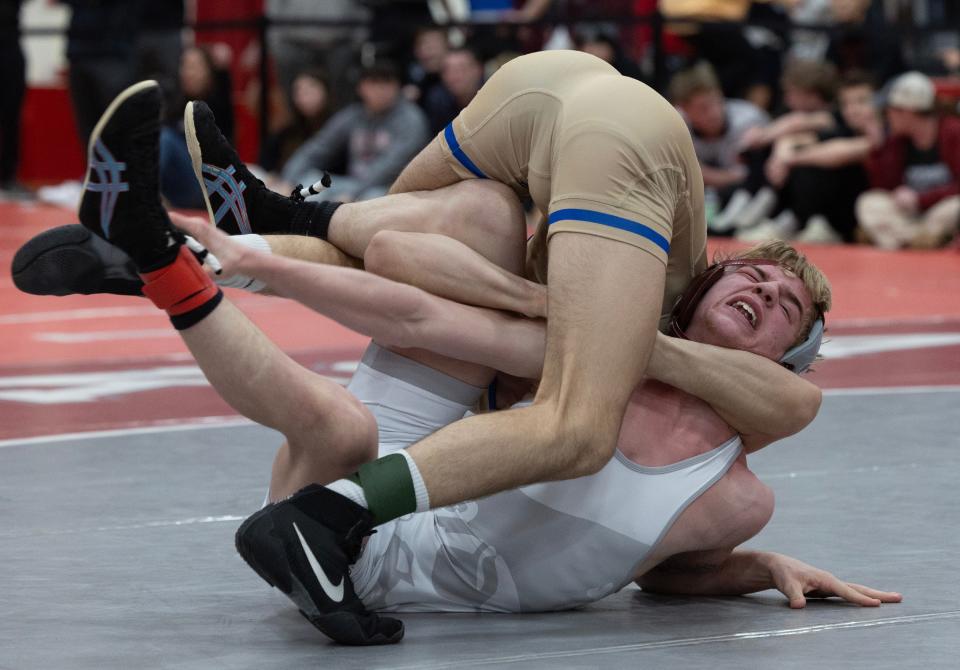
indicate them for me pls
(748, 313)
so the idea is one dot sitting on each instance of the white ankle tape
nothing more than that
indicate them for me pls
(253, 241)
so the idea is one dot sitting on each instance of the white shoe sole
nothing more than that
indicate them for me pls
(196, 156)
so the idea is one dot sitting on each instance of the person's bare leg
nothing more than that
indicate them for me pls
(310, 249)
(445, 267)
(605, 300)
(329, 432)
(484, 215)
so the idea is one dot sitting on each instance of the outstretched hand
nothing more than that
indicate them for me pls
(799, 581)
(230, 255)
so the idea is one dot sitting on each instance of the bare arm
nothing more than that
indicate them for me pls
(788, 124)
(731, 573)
(392, 313)
(738, 384)
(448, 268)
(831, 153)
(723, 177)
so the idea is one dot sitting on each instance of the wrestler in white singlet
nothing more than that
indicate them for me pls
(538, 548)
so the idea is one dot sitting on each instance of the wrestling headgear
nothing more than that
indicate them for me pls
(798, 358)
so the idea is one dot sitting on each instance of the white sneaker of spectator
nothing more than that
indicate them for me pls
(758, 209)
(818, 231)
(726, 219)
(782, 227)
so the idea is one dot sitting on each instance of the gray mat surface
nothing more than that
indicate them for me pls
(117, 552)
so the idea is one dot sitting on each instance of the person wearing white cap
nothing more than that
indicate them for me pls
(915, 175)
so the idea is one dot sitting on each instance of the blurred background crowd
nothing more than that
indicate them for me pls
(824, 121)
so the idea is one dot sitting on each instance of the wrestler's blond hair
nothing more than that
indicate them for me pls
(797, 264)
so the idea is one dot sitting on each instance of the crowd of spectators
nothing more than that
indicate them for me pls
(812, 119)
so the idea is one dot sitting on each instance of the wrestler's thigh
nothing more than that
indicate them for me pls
(605, 301)
(428, 171)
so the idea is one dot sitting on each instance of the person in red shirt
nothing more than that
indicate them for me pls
(914, 201)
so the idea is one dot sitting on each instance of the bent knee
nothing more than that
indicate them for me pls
(346, 438)
(492, 206)
(384, 252)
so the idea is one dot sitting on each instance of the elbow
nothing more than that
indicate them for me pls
(806, 406)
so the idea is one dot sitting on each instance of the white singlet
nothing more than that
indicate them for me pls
(541, 547)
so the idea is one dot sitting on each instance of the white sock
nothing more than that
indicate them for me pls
(252, 241)
(419, 486)
(349, 490)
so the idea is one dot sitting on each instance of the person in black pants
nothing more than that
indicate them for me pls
(101, 49)
(12, 89)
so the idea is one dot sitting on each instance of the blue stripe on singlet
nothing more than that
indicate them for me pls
(618, 222)
(458, 152)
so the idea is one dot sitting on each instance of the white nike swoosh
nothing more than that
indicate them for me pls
(334, 592)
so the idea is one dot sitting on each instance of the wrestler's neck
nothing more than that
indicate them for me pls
(663, 425)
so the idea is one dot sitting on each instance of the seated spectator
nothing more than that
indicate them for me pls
(809, 92)
(718, 126)
(204, 75)
(462, 77)
(430, 47)
(311, 109)
(819, 174)
(379, 135)
(914, 175)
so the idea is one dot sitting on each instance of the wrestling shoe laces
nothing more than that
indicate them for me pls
(121, 191)
(237, 202)
(304, 546)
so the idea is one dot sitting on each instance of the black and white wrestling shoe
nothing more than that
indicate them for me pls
(304, 546)
(120, 210)
(121, 191)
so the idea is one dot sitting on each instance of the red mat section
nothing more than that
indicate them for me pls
(83, 363)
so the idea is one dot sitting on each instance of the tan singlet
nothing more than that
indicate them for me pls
(598, 153)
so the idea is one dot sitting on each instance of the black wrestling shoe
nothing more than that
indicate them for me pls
(121, 191)
(237, 202)
(69, 259)
(304, 546)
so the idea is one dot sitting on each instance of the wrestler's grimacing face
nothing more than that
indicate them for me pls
(756, 308)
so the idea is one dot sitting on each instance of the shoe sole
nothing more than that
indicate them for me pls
(61, 262)
(37, 267)
(124, 95)
(196, 156)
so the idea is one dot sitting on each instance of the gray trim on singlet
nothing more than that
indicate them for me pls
(680, 510)
(419, 375)
(664, 469)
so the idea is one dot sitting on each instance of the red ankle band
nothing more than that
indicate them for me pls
(181, 286)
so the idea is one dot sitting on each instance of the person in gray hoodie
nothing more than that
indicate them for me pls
(378, 136)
